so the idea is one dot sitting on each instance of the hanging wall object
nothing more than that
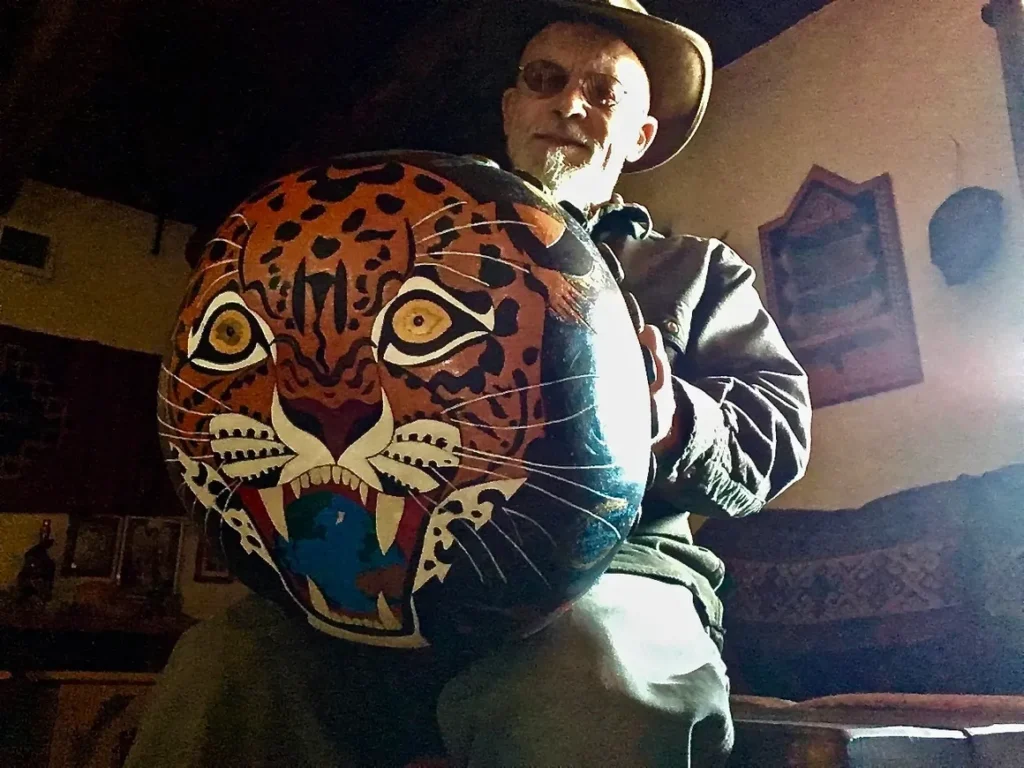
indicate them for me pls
(965, 233)
(836, 284)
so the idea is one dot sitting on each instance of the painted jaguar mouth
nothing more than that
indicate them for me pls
(343, 542)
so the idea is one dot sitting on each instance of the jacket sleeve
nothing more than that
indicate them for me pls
(743, 406)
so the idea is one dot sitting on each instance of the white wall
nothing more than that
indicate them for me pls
(865, 87)
(106, 287)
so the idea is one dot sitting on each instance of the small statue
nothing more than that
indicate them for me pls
(35, 579)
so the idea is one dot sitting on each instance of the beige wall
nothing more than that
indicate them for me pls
(865, 87)
(106, 287)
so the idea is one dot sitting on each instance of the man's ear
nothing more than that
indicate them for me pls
(645, 136)
(506, 107)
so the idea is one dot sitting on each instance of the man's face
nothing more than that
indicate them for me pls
(576, 147)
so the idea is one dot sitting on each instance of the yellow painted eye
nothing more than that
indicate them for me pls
(230, 333)
(420, 321)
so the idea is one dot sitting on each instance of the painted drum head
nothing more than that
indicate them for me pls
(409, 389)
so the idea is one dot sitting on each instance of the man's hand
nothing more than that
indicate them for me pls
(663, 399)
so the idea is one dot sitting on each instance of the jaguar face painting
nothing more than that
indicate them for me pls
(409, 388)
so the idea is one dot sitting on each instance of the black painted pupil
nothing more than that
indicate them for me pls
(418, 320)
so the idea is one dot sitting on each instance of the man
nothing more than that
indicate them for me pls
(632, 675)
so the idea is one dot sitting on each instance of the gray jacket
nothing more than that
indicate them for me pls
(737, 385)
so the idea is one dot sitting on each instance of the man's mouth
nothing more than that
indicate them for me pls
(553, 138)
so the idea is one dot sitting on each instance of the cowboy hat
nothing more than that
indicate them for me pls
(677, 60)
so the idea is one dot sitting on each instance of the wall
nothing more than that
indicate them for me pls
(865, 87)
(106, 287)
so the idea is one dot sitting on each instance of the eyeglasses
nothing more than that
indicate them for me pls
(546, 78)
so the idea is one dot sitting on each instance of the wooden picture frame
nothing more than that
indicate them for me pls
(211, 562)
(150, 560)
(93, 546)
(836, 284)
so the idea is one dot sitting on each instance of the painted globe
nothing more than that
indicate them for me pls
(406, 392)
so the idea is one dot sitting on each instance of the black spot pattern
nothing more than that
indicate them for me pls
(374, 234)
(217, 251)
(272, 254)
(325, 246)
(354, 220)
(371, 265)
(384, 254)
(495, 273)
(276, 203)
(313, 212)
(478, 224)
(389, 204)
(530, 355)
(331, 190)
(427, 184)
(287, 231)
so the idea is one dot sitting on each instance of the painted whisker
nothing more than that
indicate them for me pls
(506, 262)
(520, 551)
(244, 220)
(181, 408)
(177, 378)
(527, 518)
(185, 438)
(533, 464)
(210, 287)
(473, 530)
(457, 272)
(534, 471)
(224, 240)
(436, 235)
(554, 496)
(531, 425)
(493, 395)
(437, 213)
(182, 431)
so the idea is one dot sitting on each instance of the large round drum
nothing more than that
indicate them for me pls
(409, 389)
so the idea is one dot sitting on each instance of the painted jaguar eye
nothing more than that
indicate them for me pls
(229, 337)
(420, 321)
(425, 324)
(230, 333)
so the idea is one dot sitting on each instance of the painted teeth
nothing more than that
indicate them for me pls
(387, 618)
(364, 492)
(389, 515)
(336, 474)
(273, 500)
(333, 474)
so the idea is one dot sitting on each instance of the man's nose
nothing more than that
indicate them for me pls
(570, 102)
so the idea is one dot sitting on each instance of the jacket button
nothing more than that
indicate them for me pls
(672, 327)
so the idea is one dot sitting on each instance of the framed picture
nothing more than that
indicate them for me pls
(211, 564)
(836, 284)
(92, 547)
(27, 252)
(151, 555)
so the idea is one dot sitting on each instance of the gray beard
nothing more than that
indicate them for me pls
(565, 180)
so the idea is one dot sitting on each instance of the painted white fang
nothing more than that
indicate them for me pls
(273, 500)
(389, 516)
(387, 618)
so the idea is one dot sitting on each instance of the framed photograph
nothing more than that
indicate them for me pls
(836, 284)
(151, 555)
(211, 564)
(24, 251)
(92, 547)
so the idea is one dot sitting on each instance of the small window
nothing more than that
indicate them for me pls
(25, 252)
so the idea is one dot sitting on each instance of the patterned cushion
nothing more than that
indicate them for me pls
(920, 591)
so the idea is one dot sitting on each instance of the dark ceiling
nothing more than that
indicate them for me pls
(180, 108)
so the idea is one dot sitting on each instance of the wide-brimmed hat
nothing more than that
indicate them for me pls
(677, 60)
